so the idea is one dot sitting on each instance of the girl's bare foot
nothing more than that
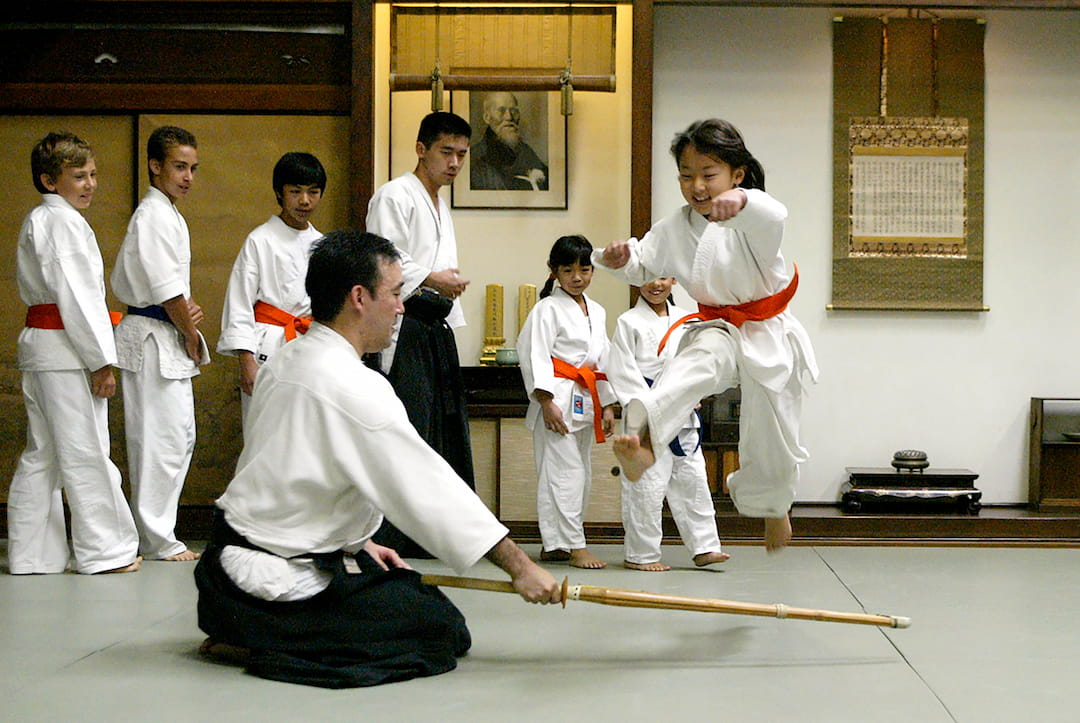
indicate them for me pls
(133, 567)
(185, 556)
(708, 558)
(554, 555)
(224, 652)
(584, 559)
(646, 566)
(777, 533)
(634, 455)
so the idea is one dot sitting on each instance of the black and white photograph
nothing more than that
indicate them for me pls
(517, 155)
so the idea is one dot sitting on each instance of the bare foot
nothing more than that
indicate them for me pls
(777, 533)
(554, 555)
(185, 556)
(133, 567)
(634, 455)
(584, 559)
(224, 652)
(646, 566)
(708, 558)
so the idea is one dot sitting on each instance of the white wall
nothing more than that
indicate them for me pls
(956, 385)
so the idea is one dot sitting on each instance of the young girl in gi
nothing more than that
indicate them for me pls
(679, 473)
(724, 248)
(562, 345)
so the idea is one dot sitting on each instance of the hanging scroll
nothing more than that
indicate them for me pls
(908, 164)
(907, 187)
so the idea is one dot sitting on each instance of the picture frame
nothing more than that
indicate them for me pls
(492, 177)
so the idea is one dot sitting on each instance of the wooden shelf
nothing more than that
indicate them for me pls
(1053, 460)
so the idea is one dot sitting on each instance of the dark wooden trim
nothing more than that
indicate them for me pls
(362, 130)
(641, 102)
(825, 524)
(173, 97)
(599, 83)
(813, 523)
(886, 4)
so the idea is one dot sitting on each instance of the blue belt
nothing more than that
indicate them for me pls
(154, 312)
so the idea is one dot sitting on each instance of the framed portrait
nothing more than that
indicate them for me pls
(517, 154)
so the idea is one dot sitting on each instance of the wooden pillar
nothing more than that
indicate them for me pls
(362, 113)
(641, 99)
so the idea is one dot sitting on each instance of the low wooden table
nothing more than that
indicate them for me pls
(931, 490)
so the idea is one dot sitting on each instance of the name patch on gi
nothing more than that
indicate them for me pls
(578, 409)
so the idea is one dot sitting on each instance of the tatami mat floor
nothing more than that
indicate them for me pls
(994, 638)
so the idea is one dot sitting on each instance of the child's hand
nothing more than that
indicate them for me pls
(616, 255)
(193, 346)
(248, 369)
(553, 417)
(195, 311)
(727, 205)
(608, 420)
(103, 383)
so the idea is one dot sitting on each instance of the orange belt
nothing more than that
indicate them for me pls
(267, 314)
(47, 316)
(587, 378)
(757, 310)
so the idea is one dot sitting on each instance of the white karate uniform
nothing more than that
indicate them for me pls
(403, 212)
(67, 444)
(682, 479)
(719, 264)
(271, 267)
(153, 266)
(557, 327)
(332, 450)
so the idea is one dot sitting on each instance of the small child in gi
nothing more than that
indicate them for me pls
(562, 346)
(265, 303)
(679, 473)
(724, 247)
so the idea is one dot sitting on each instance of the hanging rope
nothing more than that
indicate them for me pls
(436, 74)
(566, 87)
(884, 88)
(934, 69)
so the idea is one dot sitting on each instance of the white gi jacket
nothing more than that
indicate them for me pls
(402, 212)
(271, 267)
(724, 263)
(332, 450)
(633, 358)
(153, 266)
(557, 327)
(59, 263)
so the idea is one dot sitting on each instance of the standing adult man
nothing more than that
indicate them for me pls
(291, 582)
(502, 160)
(422, 361)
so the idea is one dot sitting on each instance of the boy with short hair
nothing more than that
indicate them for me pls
(66, 354)
(158, 345)
(266, 304)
